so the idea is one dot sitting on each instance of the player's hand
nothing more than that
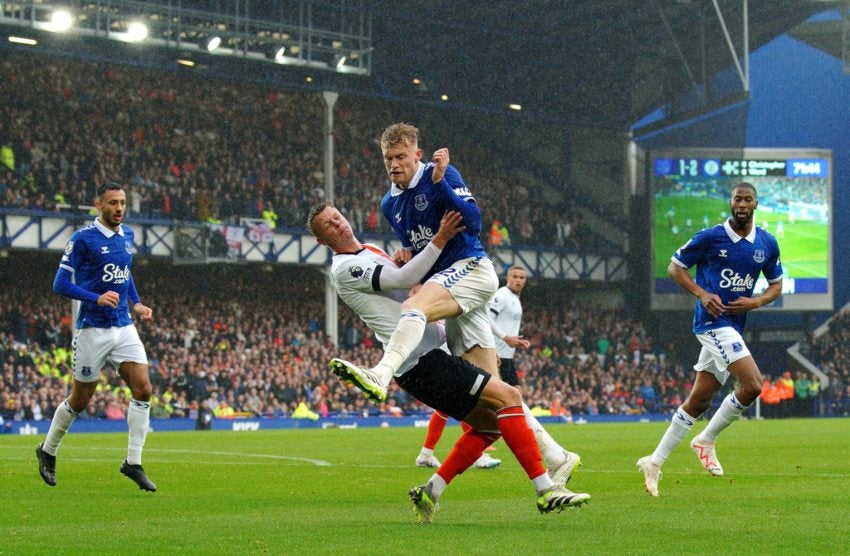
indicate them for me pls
(742, 305)
(109, 299)
(402, 256)
(143, 312)
(441, 162)
(713, 304)
(516, 342)
(450, 226)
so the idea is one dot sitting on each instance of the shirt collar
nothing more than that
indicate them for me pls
(106, 231)
(395, 190)
(733, 235)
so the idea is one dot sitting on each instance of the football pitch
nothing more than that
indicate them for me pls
(336, 491)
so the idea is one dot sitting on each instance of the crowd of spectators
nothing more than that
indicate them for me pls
(254, 345)
(830, 352)
(193, 148)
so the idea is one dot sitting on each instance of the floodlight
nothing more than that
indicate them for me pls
(61, 21)
(137, 31)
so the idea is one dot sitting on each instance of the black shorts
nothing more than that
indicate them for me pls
(507, 372)
(445, 383)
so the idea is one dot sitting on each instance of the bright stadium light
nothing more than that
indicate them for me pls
(341, 62)
(279, 55)
(137, 31)
(61, 21)
(22, 40)
(213, 43)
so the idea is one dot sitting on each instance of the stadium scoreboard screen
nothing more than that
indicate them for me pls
(690, 191)
(740, 168)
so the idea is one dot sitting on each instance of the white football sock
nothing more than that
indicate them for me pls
(552, 452)
(680, 425)
(407, 336)
(438, 485)
(426, 452)
(138, 420)
(730, 409)
(542, 483)
(59, 425)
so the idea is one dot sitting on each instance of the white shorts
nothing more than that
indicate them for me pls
(720, 348)
(95, 348)
(472, 283)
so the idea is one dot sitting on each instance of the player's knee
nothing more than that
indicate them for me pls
(508, 395)
(141, 392)
(748, 391)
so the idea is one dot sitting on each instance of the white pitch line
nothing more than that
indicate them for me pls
(317, 462)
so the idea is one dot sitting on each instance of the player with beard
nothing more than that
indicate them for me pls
(729, 258)
(95, 270)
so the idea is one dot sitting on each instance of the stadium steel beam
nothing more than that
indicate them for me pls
(329, 99)
(50, 231)
(743, 71)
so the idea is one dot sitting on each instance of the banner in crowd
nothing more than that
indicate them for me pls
(225, 241)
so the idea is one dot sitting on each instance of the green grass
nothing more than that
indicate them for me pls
(804, 246)
(344, 492)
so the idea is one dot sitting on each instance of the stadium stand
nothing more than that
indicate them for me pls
(198, 149)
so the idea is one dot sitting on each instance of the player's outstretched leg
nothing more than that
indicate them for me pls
(362, 377)
(136, 474)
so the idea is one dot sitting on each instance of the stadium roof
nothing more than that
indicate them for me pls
(602, 62)
(606, 63)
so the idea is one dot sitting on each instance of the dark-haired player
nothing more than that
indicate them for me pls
(729, 258)
(95, 270)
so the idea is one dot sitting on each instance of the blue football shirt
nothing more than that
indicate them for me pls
(729, 265)
(99, 260)
(415, 213)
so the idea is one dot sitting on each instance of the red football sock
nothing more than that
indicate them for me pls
(520, 440)
(466, 450)
(435, 429)
(465, 426)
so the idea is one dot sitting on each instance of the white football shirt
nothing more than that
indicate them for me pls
(506, 316)
(356, 278)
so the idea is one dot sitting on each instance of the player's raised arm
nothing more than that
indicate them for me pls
(441, 162)
(457, 196)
